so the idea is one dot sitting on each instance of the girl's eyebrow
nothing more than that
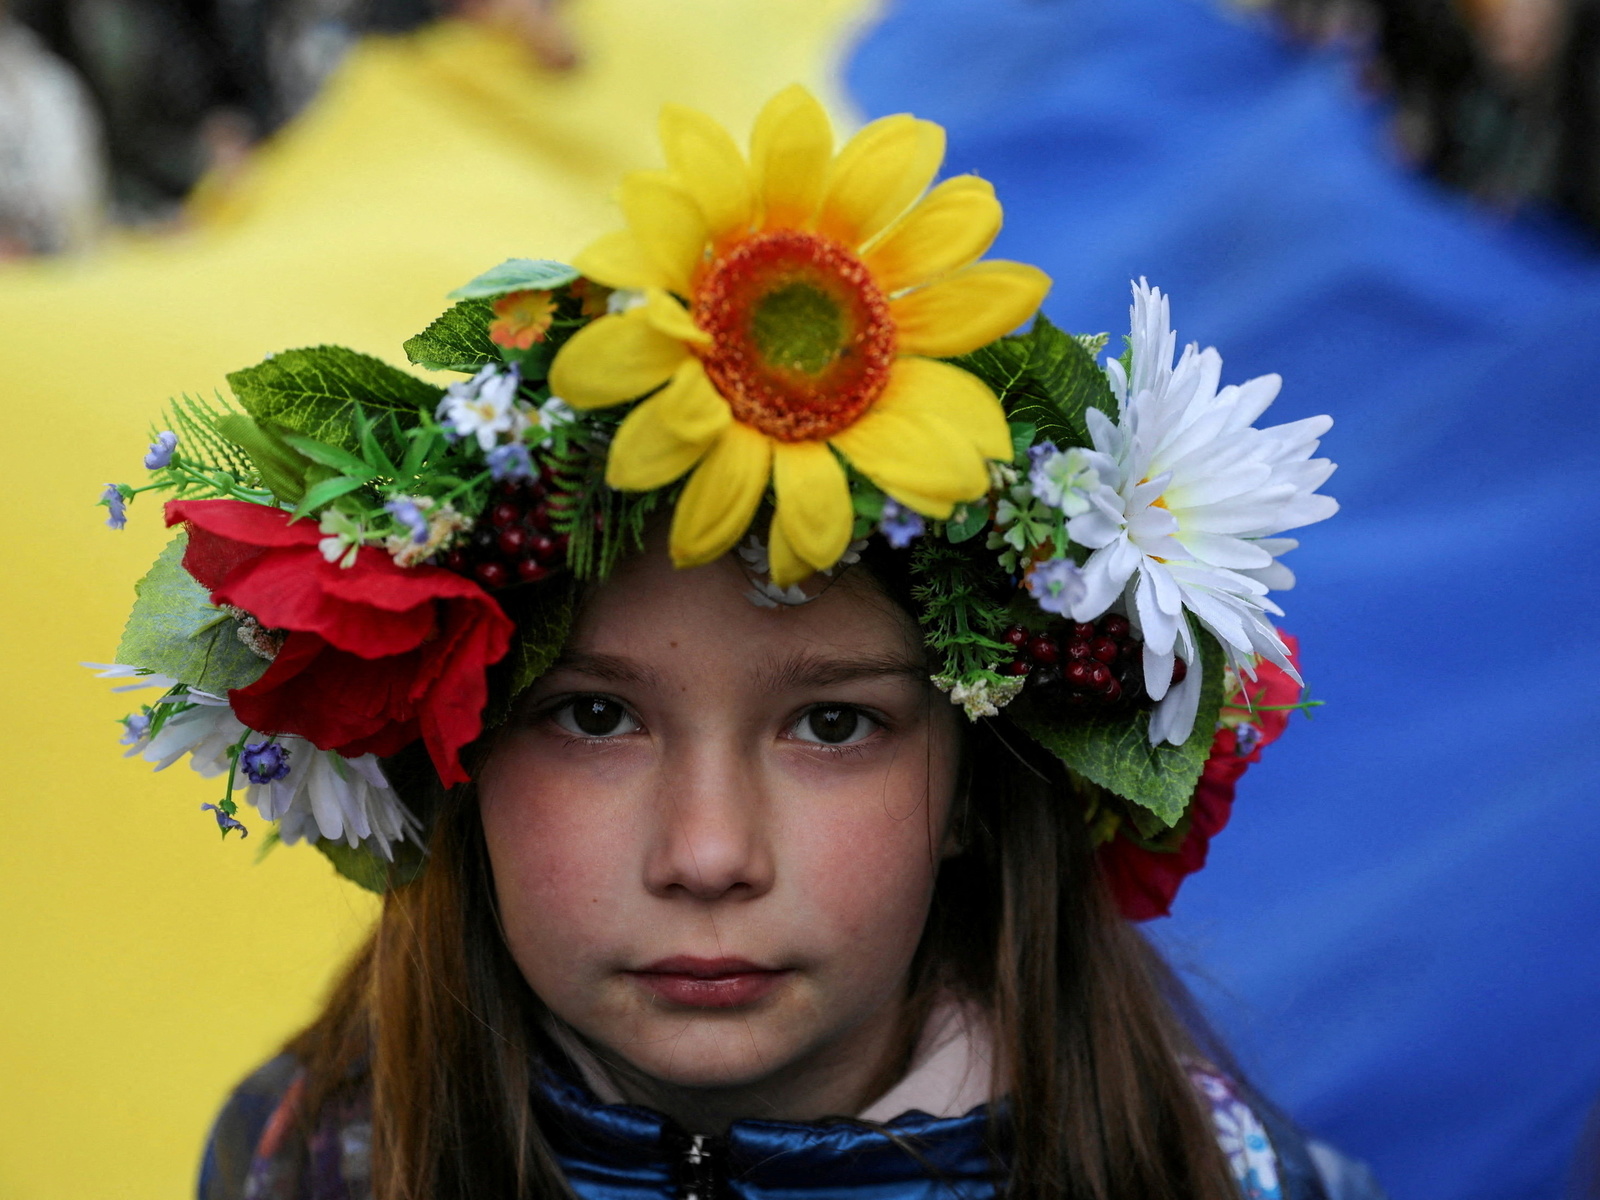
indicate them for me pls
(796, 672)
(610, 667)
(807, 670)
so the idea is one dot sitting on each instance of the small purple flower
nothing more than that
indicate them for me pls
(161, 450)
(900, 525)
(409, 514)
(1056, 585)
(1040, 451)
(113, 499)
(510, 461)
(226, 823)
(135, 728)
(264, 762)
(1246, 738)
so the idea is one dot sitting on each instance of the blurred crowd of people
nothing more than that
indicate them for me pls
(112, 110)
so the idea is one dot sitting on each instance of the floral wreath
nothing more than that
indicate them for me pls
(366, 560)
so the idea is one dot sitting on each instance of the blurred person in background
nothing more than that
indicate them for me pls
(185, 88)
(52, 179)
(1499, 97)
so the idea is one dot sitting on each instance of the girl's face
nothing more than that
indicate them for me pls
(714, 830)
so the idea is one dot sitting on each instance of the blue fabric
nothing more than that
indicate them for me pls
(1398, 931)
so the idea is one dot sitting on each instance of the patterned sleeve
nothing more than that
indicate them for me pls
(237, 1132)
(1271, 1158)
(1241, 1135)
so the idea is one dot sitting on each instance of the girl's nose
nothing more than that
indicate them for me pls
(712, 841)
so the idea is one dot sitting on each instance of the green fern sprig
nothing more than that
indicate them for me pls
(960, 620)
(195, 422)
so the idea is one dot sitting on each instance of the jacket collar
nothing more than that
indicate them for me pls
(928, 1133)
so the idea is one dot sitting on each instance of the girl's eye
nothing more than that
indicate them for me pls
(594, 717)
(834, 725)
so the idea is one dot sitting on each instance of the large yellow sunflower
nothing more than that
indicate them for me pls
(795, 305)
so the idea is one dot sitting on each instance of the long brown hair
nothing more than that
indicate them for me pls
(435, 1018)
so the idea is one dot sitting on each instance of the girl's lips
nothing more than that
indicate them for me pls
(709, 983)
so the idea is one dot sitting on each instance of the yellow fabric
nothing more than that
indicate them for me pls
(144, 964)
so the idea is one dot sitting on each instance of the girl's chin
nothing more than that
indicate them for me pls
(716, 1048)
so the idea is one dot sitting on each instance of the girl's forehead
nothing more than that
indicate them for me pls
(649, 605)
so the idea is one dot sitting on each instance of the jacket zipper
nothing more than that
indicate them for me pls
(699, 1169)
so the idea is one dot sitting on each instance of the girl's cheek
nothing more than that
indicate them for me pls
(560, 835)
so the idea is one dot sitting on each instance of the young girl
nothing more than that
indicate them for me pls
(697, 883)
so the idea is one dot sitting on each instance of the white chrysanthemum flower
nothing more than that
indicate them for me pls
(311, 793)
(141, 677)
(327, 795)
(206, 732)
(485, 406)
(1191, 497)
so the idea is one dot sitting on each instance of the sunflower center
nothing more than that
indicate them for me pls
(801, 338)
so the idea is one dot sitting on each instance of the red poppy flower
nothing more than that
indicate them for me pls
(376, 655)
(1144, 882)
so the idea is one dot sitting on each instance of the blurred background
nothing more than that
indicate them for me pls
(1393, 203)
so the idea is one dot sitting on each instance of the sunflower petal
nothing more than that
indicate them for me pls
(877, 176)
(721, 496)
(958, 398)
(784, 566)
(647, 452)
(916, 458)
(813, 501)
(951, 227)
(616, 260)
(613, 359)
(667, 224)
(691, 407)
(968, 309)
(707, 162)
(789, 151)
(663, 311)
(928, 506)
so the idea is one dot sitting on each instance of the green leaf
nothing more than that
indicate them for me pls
(1116, 753)
(366, 867)
(457, 341)
(326, 492)
(966, 521)
(315, 393)
(1022, 435)
(281, 467)
(372, 449)
(867, 501)
(1045, 377)
(517, 275)
(331, 456)
(174, 630)
(540, 635)
(197, 423)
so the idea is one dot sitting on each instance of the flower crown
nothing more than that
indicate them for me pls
(366, 560)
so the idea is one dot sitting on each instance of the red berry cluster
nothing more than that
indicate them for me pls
(1097, 663)
(515, 540)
